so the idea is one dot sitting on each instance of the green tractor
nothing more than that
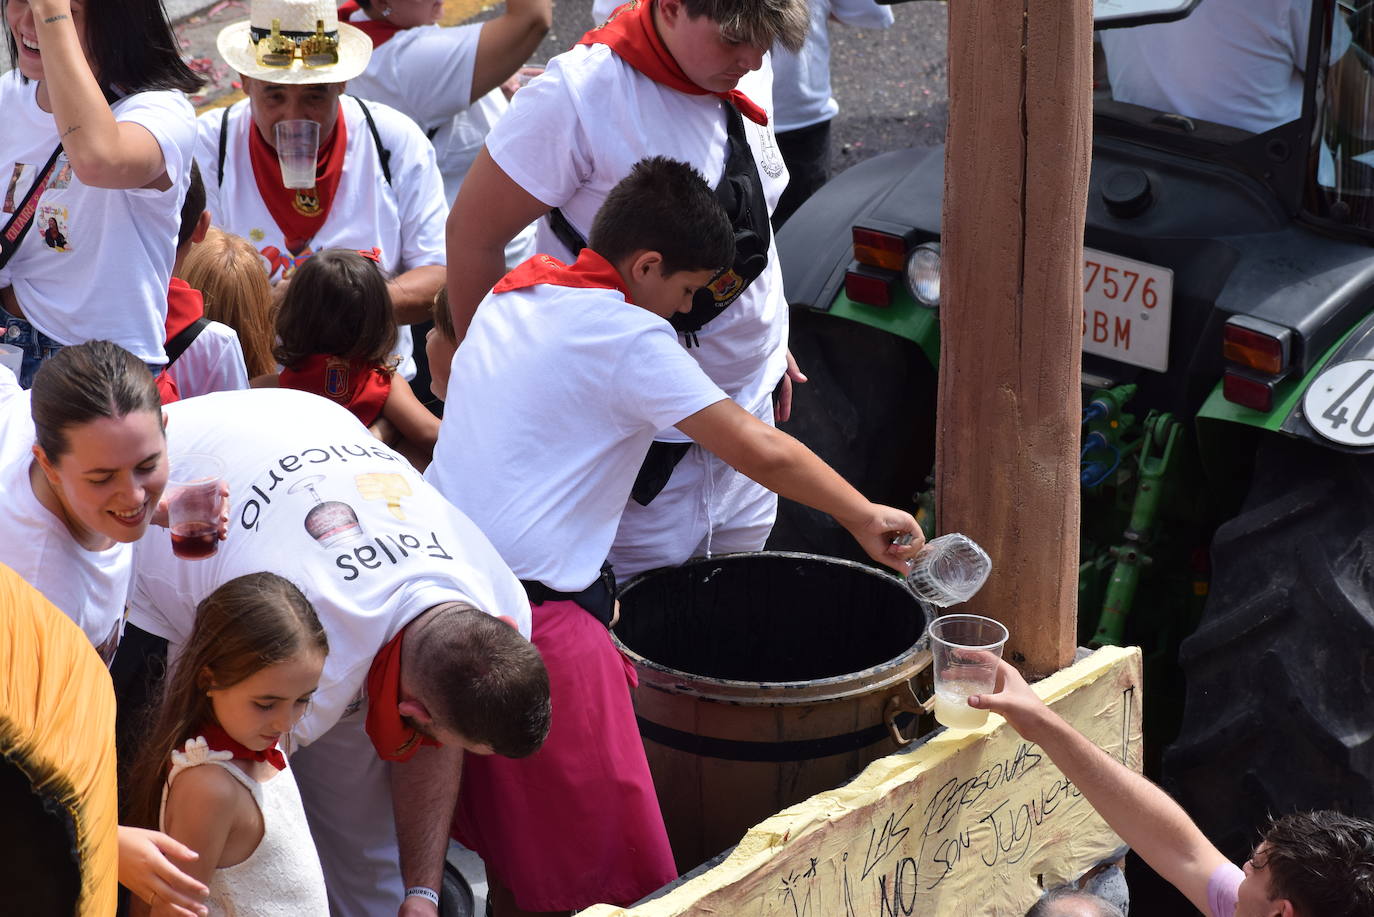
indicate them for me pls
(1228, 380)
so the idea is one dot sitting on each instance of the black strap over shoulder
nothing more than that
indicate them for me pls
(177, 345)
(740, 193)
(656, 469)
(223, 145)
(18, 225)
(565, 232)
(383, 154)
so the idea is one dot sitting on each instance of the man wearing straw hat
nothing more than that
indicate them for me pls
(376, 184)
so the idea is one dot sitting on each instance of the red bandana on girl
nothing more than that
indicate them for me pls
(391, 737)
(219, 740)
(299, 212)
(379, 30)
(589, 271)
(631, 34)
(361, 387)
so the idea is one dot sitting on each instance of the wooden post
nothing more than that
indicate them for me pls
(1016, 178)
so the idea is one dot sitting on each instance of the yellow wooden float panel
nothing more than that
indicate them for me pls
(970, 824)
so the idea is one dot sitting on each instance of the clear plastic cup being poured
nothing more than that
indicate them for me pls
(950, 570)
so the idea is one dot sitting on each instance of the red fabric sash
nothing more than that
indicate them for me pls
(299, 213)
(361, 387)
(167, 391)
(391, 737)
(184, 305)
(219, 740)
(631, 34)
(379, 30)
(589, 271)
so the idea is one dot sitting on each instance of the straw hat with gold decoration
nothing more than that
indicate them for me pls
(295, 41)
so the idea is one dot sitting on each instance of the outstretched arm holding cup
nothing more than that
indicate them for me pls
(1309, 864)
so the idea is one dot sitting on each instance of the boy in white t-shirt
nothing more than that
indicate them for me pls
(203, 356)
(566, 374)
(688, 79)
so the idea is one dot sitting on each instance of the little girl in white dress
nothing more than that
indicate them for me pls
(226, 792)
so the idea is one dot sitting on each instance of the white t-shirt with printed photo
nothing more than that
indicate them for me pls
(557, 394)
(96, 261)
(403, 219)
(87, 586)
(315, 498)
(578, 129)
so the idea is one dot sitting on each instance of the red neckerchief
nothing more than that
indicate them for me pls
(299, 213)
(631, 34)
(219, 740)
(391, 737)
(167, 391)
(379, 30)
(361, 387)
(589, 271)
(184, 305)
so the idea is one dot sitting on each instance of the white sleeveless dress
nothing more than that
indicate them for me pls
(282, 877)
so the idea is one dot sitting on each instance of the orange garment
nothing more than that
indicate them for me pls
(57, 715)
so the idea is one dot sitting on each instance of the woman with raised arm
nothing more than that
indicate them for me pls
(96, 152)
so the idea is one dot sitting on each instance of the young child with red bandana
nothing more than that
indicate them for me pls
(334, 339)
(245, 677)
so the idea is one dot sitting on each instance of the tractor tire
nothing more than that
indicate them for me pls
(1280, 672)
(869, 411)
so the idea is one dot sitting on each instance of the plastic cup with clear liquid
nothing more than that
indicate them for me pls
(965, 651)
(298, 146)
(949, 570)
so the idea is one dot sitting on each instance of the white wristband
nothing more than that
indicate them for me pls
(419, 891)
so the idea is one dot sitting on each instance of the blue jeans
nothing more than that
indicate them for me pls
(36, 345)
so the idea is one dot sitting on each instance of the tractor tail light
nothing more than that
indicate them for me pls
(870, 286)
(879, 249)
(1262, 349)
(1248, 391)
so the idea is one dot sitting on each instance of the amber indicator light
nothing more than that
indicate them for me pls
(1253, 349)
(879, 249)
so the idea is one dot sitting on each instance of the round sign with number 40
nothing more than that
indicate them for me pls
(1340, 403)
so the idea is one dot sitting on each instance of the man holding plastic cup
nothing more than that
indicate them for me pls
(376, 184)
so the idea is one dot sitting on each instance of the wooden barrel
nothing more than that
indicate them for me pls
(765, 678)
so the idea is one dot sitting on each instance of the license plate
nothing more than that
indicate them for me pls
(1126, 309)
